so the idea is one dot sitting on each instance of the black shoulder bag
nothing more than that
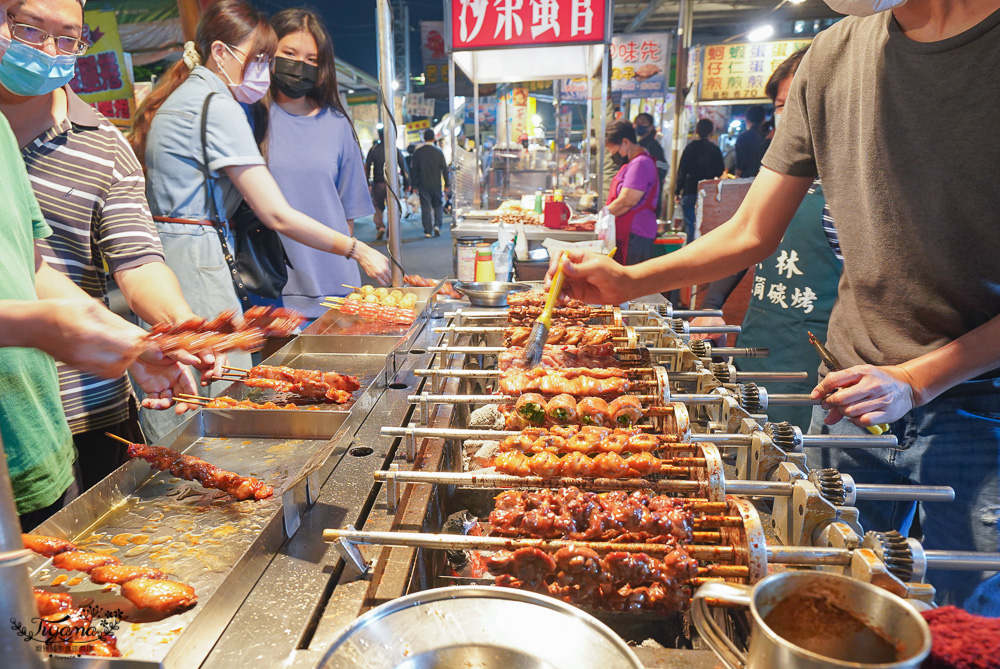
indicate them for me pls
(260, 266)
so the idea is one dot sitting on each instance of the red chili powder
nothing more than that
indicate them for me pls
(961, 640)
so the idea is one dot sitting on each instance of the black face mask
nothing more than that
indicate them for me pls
(641, 130)
(618, 159)
(294, 78)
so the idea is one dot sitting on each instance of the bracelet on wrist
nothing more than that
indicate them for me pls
(354, 247)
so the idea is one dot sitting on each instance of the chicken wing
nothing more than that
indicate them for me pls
(47, 546)
(121, 573)
(159, 596)
(49, 603)
(82, 561)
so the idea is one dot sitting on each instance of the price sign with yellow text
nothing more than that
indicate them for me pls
(740, 71)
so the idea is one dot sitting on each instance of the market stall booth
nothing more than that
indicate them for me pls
(505, 44)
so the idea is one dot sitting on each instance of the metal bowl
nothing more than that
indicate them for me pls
(480, 628)
(489, 293)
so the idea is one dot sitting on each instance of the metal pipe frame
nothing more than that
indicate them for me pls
(719, 438)
(386, 76)
(790, 555)
(922, 493)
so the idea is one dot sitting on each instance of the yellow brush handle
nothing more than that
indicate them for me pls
(878, 429)
(554, 290)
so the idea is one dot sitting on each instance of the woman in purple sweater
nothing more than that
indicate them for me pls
(633, 194)
(308, 140)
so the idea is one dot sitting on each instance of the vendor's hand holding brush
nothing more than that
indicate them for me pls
(535, 346)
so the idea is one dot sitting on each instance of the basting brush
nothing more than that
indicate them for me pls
(535, 346)
(833, 365)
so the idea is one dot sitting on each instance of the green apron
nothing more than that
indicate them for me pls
(793, 291)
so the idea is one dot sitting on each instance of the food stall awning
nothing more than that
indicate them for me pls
(505, 66)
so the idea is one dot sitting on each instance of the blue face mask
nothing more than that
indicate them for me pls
(27, 71)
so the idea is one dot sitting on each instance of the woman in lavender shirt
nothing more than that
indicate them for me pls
(311, 149)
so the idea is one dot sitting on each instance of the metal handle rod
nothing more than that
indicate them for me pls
(962, 560)
(813, 440)
(501, 312)
(920, 493)
(466, 542)
(785, 399)
(791, 555)
(808, 555)
(718, 438)
(769, 376)
(469, 329)
(474, 480)
(700, 329)
(694, 313)
(749, 488)
(732, 352)
(671, 376)
(735, 352)
(740, 352)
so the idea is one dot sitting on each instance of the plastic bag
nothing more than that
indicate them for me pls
(605, 229)
(503, 259)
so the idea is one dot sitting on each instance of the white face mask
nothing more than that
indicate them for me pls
(863, 7)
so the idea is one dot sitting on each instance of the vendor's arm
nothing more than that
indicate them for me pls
(869, 395)
(627, 198)
(76, 329)
(264, 196)
(151, 290)
(715, 297)
(752, 234)
(153, 293)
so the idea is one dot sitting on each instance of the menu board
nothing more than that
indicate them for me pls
(740, 71)
(639, 64)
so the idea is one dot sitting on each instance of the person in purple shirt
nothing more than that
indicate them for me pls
(308, 140)
(633, 194)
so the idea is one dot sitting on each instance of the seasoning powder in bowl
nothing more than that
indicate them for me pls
(814, 620)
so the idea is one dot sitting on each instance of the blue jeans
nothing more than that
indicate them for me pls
(955, 441)
(688, 204)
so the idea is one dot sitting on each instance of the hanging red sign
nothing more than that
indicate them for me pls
(489, 24)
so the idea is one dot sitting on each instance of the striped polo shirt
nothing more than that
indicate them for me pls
(93, 195)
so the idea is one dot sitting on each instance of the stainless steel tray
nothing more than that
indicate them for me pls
(333, 322)
(309, 354)
(204, 538)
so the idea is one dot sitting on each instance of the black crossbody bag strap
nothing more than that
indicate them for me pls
(217, 222)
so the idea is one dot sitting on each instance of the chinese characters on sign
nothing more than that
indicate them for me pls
(639, 64)
(786, 266)
(740, 71)
(101, 78)
(477, 24)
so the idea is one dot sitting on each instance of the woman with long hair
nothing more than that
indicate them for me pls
(201, 159)
(307, 137)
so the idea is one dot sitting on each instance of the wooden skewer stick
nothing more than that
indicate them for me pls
(193, 399)
(117, 438)
(356, 288)
(238, 369)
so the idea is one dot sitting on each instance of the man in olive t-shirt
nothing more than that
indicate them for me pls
(35, 434)
(918, 213)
